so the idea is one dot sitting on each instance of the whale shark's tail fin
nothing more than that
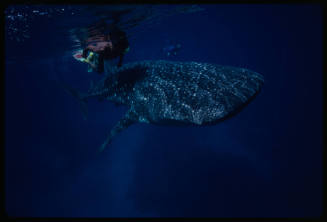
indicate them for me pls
(82, 99)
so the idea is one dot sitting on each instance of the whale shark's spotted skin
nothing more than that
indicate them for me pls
(164, 92)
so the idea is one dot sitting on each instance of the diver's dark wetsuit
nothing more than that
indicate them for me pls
(109, 47)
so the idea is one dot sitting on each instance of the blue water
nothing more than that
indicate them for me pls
(264, 162)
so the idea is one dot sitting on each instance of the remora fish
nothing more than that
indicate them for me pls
(174, 93)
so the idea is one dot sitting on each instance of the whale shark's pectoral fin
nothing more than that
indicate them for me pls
(123, 123)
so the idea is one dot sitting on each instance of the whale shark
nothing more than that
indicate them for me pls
(174, 93)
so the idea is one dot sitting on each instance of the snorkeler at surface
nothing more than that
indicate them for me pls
(102, 47)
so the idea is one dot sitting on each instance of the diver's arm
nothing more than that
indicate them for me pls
(88, 60)
(86, 50)
(92, 65)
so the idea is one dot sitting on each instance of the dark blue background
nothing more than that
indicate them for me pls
(264, 162)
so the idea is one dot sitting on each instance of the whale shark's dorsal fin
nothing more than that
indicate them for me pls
(122, 124)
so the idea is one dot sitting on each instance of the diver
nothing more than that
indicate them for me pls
(102, 47)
